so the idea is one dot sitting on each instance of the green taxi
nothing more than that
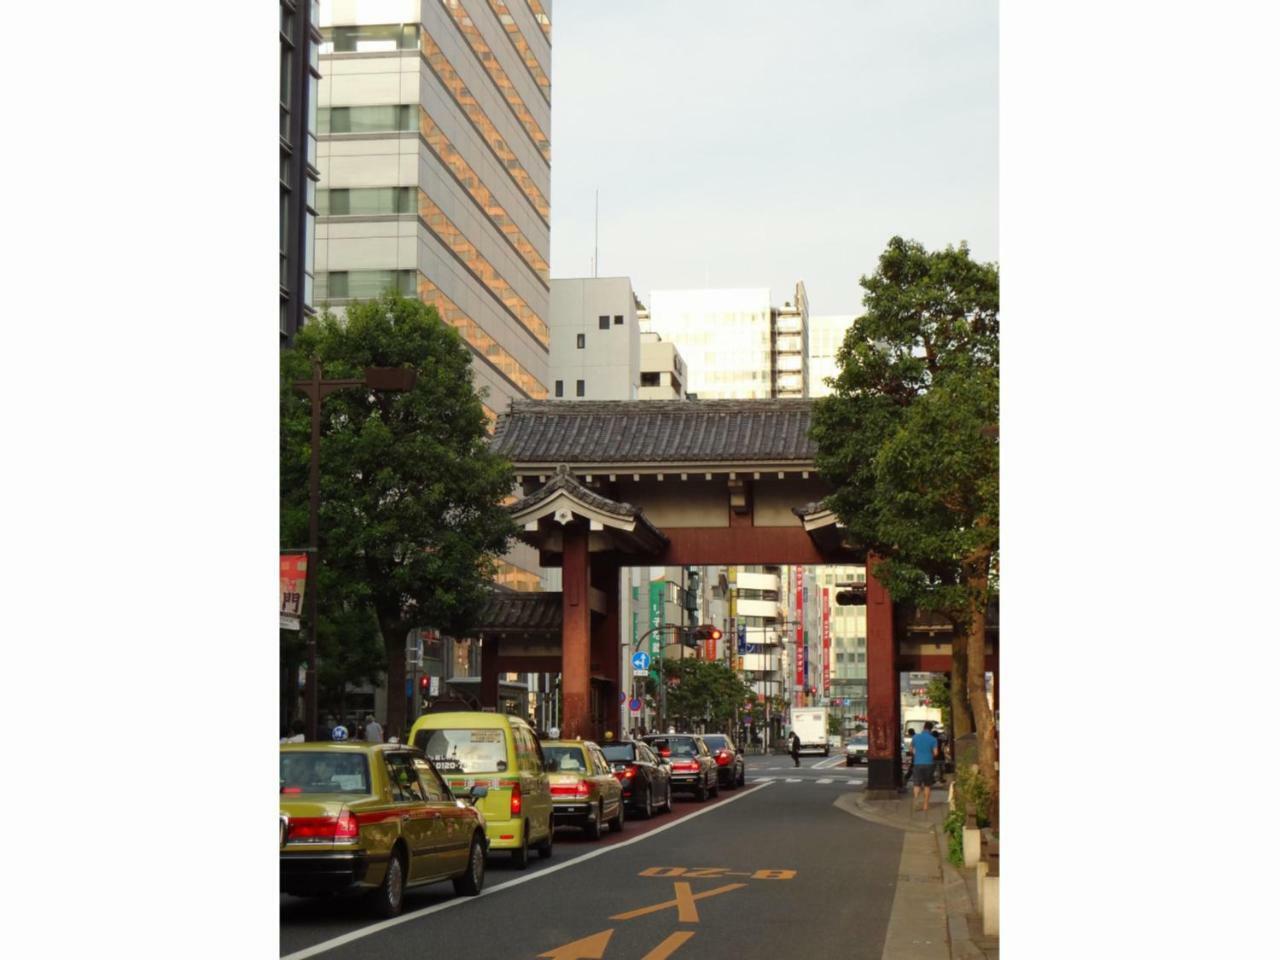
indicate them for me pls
(584, 789)
(373, 817)
(500, 752)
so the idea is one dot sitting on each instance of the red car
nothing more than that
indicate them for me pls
(729, 761)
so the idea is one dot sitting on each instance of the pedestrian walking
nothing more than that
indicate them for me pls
(372, 729)
(924, 752)
(795, 747)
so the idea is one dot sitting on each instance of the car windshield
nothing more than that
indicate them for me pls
(465, 751)
(323, 772)
(716, 743)
(564, 759)
(676, 748)
(857, 741)
(619, 752)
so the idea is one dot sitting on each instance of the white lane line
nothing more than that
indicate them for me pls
(825, 780)
(794, 780)
(765, 779)
(458, 901)
(827, 763)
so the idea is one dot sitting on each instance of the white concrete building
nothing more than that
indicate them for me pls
(662, 370)
(595, 341)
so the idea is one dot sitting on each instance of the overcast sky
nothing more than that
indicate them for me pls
(756, 143)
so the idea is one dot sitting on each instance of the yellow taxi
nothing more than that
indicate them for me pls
(584, 790)
(501, 753)
(373, 817)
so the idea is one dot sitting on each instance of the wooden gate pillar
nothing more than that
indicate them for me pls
(488, 692)
(884, 709)
(605, 651)
(576, 632)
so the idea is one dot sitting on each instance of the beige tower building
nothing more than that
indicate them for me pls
(434, 157)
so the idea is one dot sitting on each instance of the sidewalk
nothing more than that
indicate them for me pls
(935, 913)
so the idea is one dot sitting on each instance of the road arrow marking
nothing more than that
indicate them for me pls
(588, 948)
(669, 946)
(684, 902)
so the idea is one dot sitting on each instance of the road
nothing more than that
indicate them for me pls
(772, 869)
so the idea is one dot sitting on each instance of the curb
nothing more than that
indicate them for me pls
(857, 805)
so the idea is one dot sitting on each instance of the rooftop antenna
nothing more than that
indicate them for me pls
(595, 257)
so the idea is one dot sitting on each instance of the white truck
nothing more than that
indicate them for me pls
(810, 725)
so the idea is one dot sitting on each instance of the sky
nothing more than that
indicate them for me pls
(755, 143)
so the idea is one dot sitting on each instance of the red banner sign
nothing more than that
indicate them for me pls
(800, 671)
(826, 640)
(293, 588)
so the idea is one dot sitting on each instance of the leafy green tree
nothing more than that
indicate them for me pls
(411, 521)
(938, 693)
(703, 689)
(909, 438)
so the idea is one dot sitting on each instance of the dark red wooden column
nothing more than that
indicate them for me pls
(488, 692)
(575, 653)
(884, 746)
(605, 653)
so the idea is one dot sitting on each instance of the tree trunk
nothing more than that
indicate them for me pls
(394, 632)
(961, 712)
(977, 579)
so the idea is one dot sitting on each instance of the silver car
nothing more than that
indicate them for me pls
(855, 751)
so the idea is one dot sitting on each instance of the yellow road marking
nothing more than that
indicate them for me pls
(684, 902)
(669, 946)
(706, 873)
(588, 948)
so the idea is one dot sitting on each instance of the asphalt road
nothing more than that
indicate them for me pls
(770, 870)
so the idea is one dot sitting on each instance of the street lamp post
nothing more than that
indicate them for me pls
(391, 379)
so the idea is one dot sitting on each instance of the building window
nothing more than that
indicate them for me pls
(364, 284)
(559, 388)
(650, 379)
(365, 201)
(582, 388)
(378, 119)
(617, 320)
(377, 38)
(604, 323)
(582, 341)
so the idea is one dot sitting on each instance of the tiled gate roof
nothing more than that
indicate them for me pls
(656, 431)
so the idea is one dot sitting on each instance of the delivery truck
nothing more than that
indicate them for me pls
(810, 725)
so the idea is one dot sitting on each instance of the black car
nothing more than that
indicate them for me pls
(646, 782)
(692, 768)
(729, 762)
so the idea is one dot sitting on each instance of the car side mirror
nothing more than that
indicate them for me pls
(477, 792)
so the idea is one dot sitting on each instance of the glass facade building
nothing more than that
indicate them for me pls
(736, 344)
(826, 334)
(299, 81)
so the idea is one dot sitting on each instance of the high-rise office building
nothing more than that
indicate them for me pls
(737, 345)
(299, 79)
(435, 176)
(826, 334)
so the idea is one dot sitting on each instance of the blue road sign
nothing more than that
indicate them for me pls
(742, 639)
(640, 660)
(635, 704)
(339, 733)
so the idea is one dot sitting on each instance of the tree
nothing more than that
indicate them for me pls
(939, 695)
(909, 438)
(703, 690)
(411, 521)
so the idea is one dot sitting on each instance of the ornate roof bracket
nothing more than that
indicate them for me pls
(828, 533)
(614, 526)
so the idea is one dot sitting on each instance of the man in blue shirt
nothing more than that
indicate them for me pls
(924, 748)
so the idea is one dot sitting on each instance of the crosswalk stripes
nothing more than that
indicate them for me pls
(824, 781)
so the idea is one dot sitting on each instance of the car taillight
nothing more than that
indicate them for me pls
(340, 829)
(516, 802)
(628, 773)
(722, 758)
(685, 765)
(579, 789)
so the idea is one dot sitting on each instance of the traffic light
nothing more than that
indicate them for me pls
(852, 595)
(424, 685)
(703, 631)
